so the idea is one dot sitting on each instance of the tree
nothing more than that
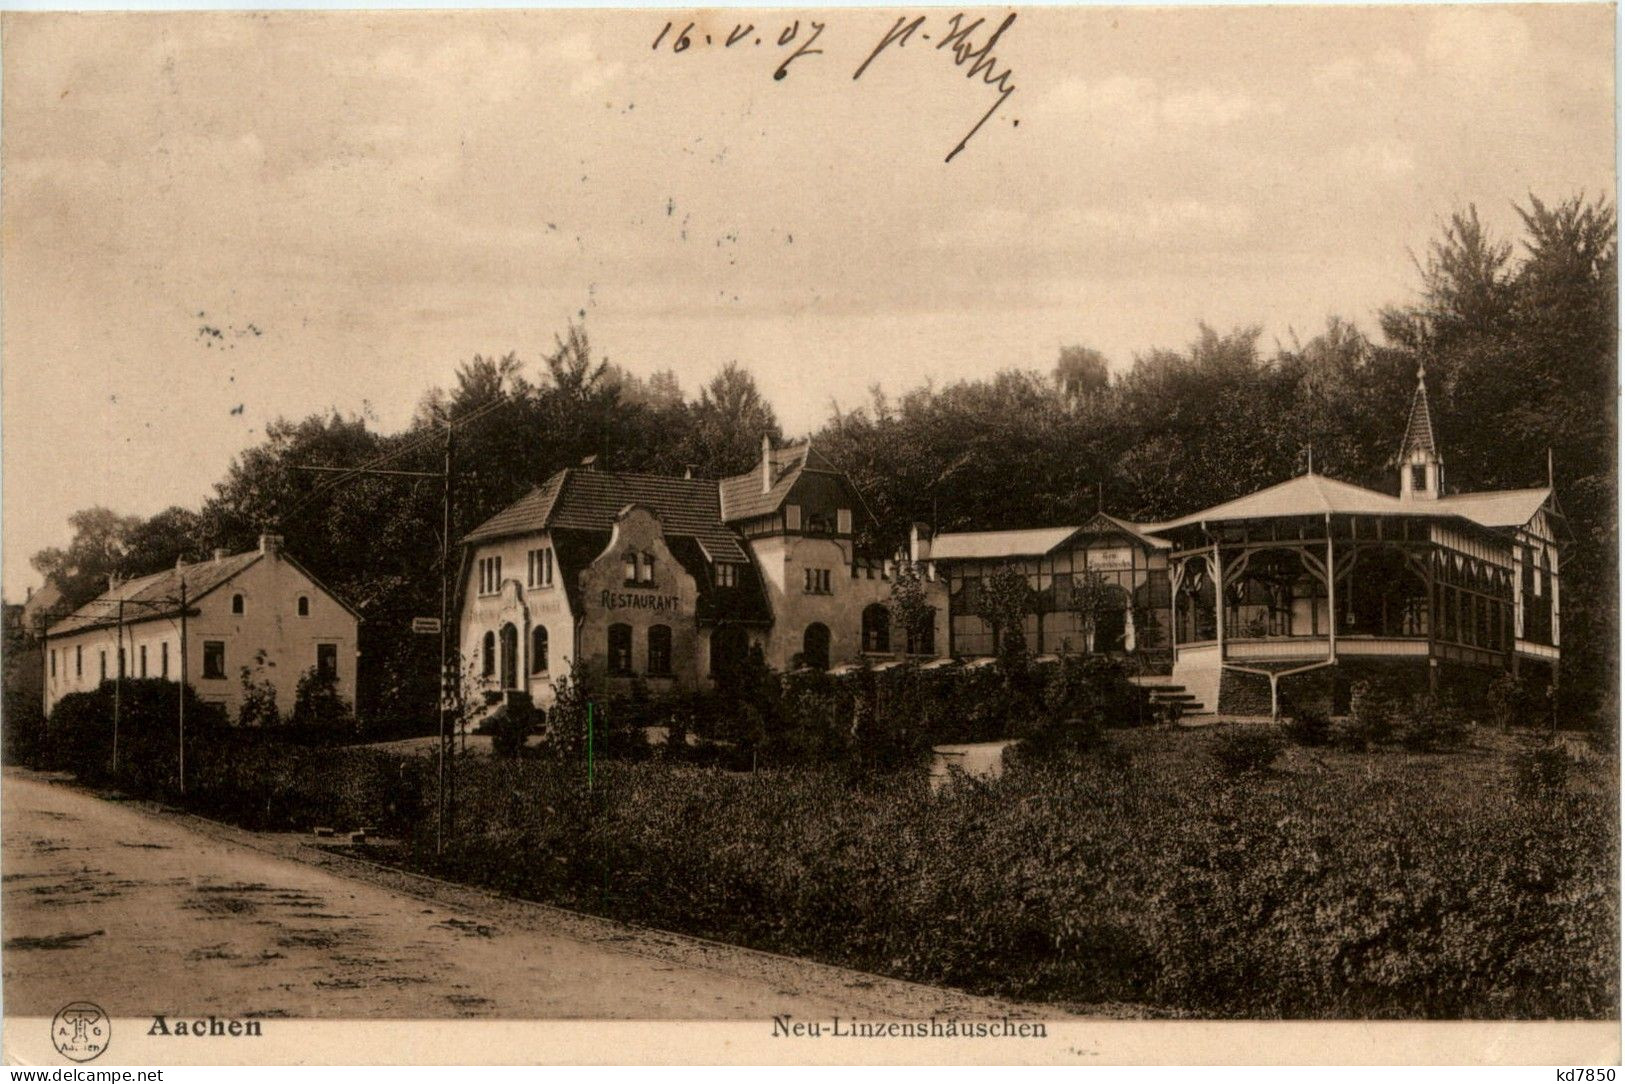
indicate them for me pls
(1081, 373)
(727, 423)
(1004, 601)
(1091, 593)
(98, 550)
(912, 615)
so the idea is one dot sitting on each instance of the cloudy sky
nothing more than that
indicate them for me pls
(215, 219)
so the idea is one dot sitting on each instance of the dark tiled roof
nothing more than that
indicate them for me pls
(154, 596)
(590, 500)
(743, 496)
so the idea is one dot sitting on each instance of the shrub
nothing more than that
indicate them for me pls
(510, 725)
(318, 705)
(1541, 770)
(1245, 750)
(1373, 706)
(1309, 726)
(82, 731)
(257, 706)
(1430, 724)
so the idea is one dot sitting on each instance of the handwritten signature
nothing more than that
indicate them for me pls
(959, 37)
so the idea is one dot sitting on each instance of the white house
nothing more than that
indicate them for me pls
(258, 609)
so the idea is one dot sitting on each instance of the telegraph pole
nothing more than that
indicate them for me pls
(448, 689)
(183, 686)
(447, 760)
(118, 682)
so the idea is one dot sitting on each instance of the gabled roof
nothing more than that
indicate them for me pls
(587, 500)
(982, 545)
(1305, 495)
(1504, 508)
(1318, 495)
(745, 603)
(975, 545)
(743, 496)
(154, 596)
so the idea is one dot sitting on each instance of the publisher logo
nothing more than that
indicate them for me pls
(81, 1031)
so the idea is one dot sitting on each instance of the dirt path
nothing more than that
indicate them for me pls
(145, 913)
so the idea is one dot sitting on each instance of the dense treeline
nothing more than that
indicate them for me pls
(1519, 345)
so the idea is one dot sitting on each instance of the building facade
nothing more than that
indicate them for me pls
(670, 581)
(259, 609)
(1301, 588)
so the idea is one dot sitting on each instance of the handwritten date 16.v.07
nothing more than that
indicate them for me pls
(958, 34)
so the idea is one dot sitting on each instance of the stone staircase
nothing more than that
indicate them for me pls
(1163, 693)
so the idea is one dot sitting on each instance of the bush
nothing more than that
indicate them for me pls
(1309, 727)
(257, 706)
(510, 725)
(1541, 770)
(81, 734)
(1246, 750)
(1430, 724)
(317, 704)
(1306, 896)
(1373, 708)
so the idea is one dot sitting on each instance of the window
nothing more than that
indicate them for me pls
(727, 575)
(629, 567)
(143, 661)
(103, 660)
(488, 655)
(876, 628)
(1419, 477)
(327, 661)
(53, 662)
(648, 568)
(304, 605)
(639, 568)
(121, 670)
(236, 604)
(816, 581)
(815, 646)
(620, 649)
(660, 649)
(490, 575)
(79, 660)
(538, 650)
(510, 656)
(843, 521)
(792, 517)
(820, 523)
(163, 659)
(214, 659)
(539, 568)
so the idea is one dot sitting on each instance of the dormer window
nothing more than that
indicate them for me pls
(792, 517)
(820, 523)
(727, 575)
(1419, 477)
(843, 521)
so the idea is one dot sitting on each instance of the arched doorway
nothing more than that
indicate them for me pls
(510, 656)
(815, 646)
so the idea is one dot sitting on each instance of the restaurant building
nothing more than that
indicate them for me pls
(1299, 589)
(673, 580)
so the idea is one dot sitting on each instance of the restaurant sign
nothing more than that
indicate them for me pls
(642, 600)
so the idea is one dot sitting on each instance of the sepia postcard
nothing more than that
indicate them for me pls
(1035, 535)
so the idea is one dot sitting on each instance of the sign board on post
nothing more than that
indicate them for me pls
(426, 626)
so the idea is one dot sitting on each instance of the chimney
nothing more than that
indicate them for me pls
(767, 463)
(688, 473)
(589, 462)
(271, 544)
(114, 581)
(180, 563)
(220, 553)
(919, 542)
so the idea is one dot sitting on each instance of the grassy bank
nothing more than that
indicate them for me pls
(1335, 885)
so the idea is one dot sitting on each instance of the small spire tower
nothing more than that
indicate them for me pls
(1421, 468)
